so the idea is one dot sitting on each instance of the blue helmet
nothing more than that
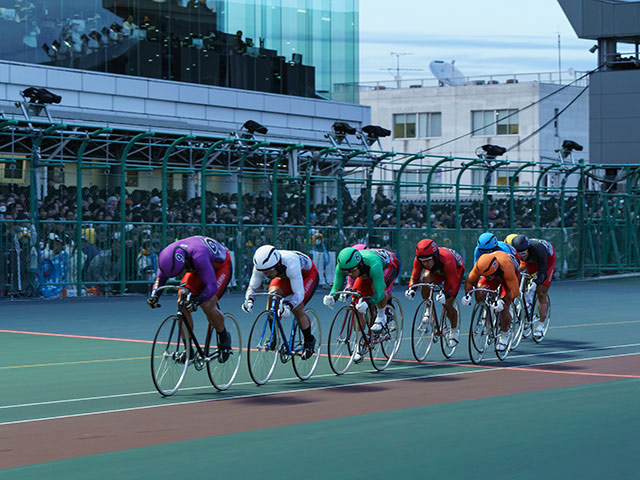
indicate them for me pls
(487, 242)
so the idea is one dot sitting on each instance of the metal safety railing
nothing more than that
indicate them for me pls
(85, 210)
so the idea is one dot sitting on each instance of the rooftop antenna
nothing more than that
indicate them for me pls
(397, 68)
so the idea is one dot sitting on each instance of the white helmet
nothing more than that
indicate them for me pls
(266, 258)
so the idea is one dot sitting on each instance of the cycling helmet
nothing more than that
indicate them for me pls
(359, 246)
(510, 238)
(488, 265)
(520, 243)
(487, 242)
(173, 259)
(426, 248)
(266, 258)
(349, 258)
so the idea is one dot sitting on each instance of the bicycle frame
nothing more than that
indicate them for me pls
(182, 302)
(273, 310)
(355, 297)
(491, 296)
(525, 280)
(434, 288)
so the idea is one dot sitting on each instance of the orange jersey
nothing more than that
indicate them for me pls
(508, 268)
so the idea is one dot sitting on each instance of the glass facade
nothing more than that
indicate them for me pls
(294, 47)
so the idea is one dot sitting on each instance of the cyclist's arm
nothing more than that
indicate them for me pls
(541, 255)
(476, 255)
(472, 279)
(294, 274)
(254, 284)
(377, 279)
(160, 281)
(206, 272)
(415, 273)
(338, 280)
(450, 275)
(511, 281)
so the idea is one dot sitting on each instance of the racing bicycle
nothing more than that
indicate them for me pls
(268, 342)
(176, 347)
(437, 326)
(347, 335)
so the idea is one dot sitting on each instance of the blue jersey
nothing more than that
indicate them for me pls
(502, 247)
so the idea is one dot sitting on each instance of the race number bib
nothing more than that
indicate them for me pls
(456, 256)
(384, 255)
(548, 247)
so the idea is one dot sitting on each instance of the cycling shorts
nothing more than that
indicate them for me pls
(223, 273)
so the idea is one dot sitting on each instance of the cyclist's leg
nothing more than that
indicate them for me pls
(543, 300)
(449, 306)
(543, 289)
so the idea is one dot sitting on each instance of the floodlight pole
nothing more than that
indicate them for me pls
(543, 172)
(91, 136)
(512, 188)
(397, 192)
(485, 191)
(429, 177)
(203, 181)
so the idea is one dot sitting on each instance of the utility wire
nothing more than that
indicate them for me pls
(535, 132)
(514, 113)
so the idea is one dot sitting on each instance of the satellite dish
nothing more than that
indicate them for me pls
(446, 73)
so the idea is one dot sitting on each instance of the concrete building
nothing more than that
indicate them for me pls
(530, 115)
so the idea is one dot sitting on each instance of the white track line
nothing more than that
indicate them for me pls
(329, 387)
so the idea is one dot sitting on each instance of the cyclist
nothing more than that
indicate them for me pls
(537, 256)
(488, 243)
(490, 271)
(509, 238)
(350, 281)
(439, 265)
(374, 271)
(291, 275)
(205, 267)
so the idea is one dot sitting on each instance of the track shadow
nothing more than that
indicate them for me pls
(281, 399)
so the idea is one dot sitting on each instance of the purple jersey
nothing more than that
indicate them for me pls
(200, 253)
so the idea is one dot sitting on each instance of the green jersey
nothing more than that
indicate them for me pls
(373, 269)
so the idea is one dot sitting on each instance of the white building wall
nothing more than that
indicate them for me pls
(456, 105)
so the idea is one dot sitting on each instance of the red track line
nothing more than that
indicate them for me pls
(77, 336)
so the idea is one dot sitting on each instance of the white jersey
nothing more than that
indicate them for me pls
(294, 263)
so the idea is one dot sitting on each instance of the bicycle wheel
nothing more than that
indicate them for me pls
(479, 332)
(385, 344)
(342, 340)
(222, 374)
(517, 323)
(170, 355)
(536, 320)
(422, 333)
(263, 348)
(445, 329)
(305, 368)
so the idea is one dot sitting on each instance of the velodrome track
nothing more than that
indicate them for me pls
(78, 402)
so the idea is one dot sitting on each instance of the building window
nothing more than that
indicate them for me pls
(494, 122)
(420, 125)
(404, 125)
(430, 124)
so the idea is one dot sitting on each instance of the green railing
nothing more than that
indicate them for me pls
(303, 192)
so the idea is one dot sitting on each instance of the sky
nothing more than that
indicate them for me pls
(483, 37)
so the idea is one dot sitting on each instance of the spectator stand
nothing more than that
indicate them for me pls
(91, 217)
